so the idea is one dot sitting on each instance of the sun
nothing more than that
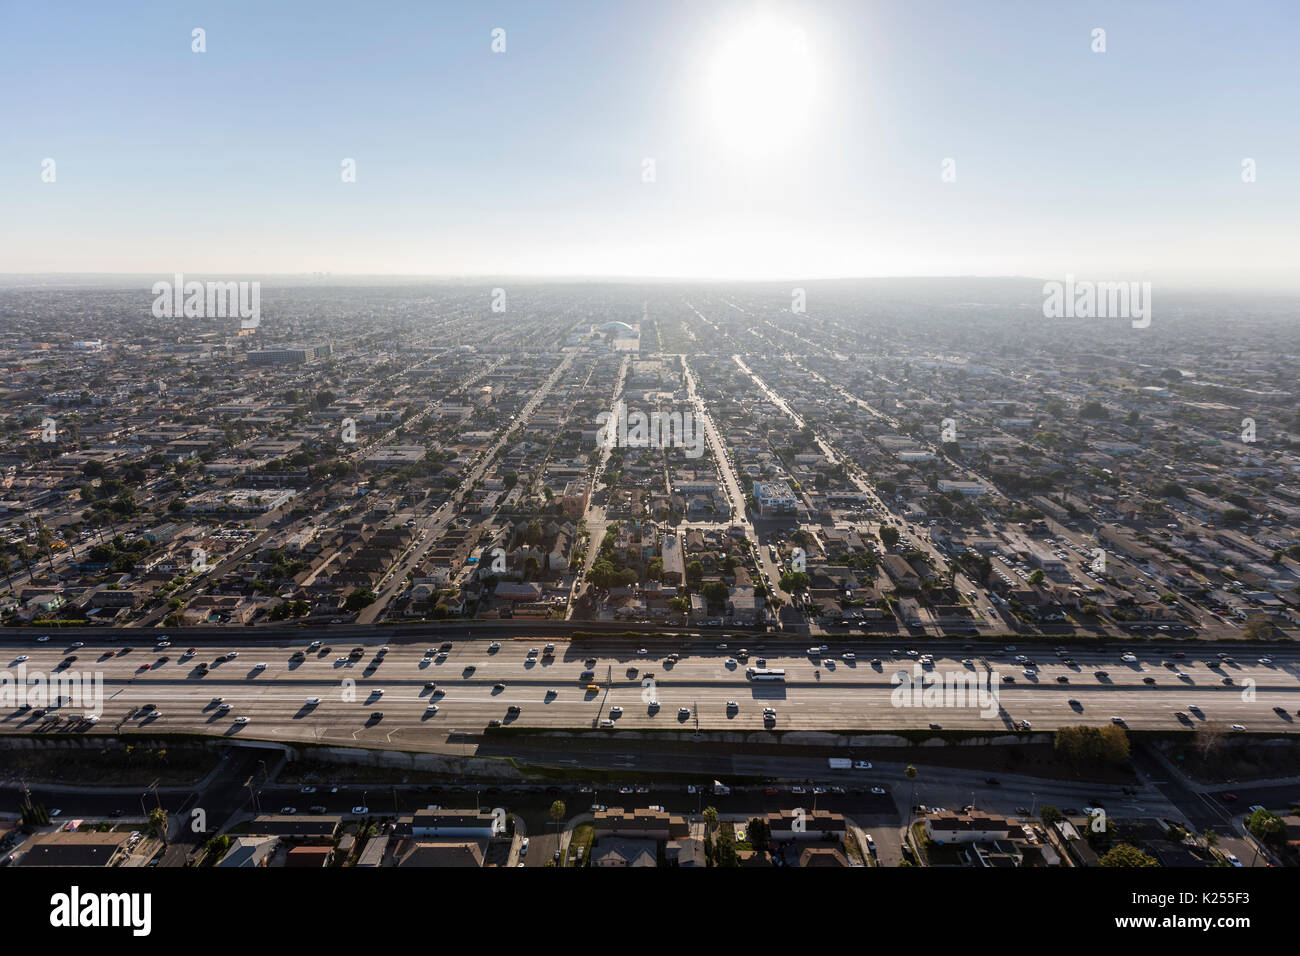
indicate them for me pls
(760, 86)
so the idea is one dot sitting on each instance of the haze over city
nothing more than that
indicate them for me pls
(787, 140)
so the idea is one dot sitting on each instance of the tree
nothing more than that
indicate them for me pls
(557, 814)
(794, 581)
(910, 774)
(359, 598)
(711, 817)
(1126, 855)
(1037, 577)
(158, 823)
(1269, 827)
(1051, 815)
(1257, 629)
(889, 536)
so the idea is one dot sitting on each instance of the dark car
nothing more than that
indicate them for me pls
(376, 715)
(993, 781)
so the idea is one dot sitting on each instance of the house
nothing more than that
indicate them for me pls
(424, 824)
(685, 852)
(458, 853)
(249, 852)
(617, 852)
(948, 826)
(903, 574)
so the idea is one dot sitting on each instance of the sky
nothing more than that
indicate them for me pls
(693, 138)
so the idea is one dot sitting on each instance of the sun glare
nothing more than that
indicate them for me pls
(760, 85)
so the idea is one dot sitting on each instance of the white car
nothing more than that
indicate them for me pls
(42, 639)
(878, 791)
(76, 644)
(616, 711)
(307, 790)
(431, 709)
(1238, 726)
(862, 765)
(259, 667)
(288, 811)
(642, 652)
(313, 701)
(20, 658)
(241, 720)
(1233, 859)
(92, 719)
(523, 847)
(361, 811)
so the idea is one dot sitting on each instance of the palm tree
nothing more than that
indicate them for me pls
(711, 817)
(910, 774)
(557, 814)
(45, 538)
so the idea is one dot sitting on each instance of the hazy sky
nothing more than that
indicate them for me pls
(789, 139)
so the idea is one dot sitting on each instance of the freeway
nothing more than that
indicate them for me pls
(474, 683)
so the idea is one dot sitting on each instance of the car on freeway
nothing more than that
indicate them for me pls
(241, 720)
(862, 765)
(431, 709)
(223, 708)
(20, 658)
(42, 639)
(288, 811)
(360, 811)
(616, 711)
(376, 715)
(1239, 727)
(307, 790)
(313, 701)
(879, 791)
